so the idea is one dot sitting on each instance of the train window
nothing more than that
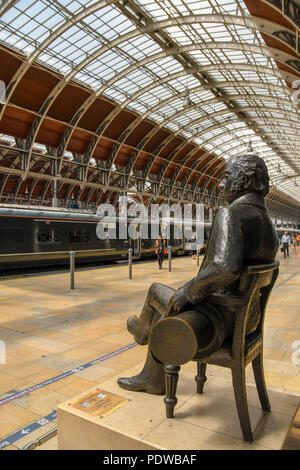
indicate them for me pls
(79, 236)
(74, 237)
(48, 236)
(9, 236)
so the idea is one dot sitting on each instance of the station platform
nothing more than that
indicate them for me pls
(61, 342)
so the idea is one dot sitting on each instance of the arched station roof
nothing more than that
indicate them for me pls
(146, 97)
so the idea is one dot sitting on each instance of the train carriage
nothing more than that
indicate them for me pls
(35, 236)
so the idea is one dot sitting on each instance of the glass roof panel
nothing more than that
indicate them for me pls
(185, 88)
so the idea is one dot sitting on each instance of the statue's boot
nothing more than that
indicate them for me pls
(150, 380)
(140, 327)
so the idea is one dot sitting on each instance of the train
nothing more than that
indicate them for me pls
(44, 236)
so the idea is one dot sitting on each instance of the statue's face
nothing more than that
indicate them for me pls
(227, 180)
(244, 174)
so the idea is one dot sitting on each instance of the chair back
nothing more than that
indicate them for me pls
(256, 283)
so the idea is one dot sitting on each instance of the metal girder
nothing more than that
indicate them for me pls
(86, 11)
(31, 138)
(135, 154)
(91, 99)
(283, 207)
(284, 34)
(110, 117)
(267, 159)
(192, 168)
(45, 190)
(274, 195)
(266, 51)
(231, 121)
(204, 118)
(226, 111)
(156, 154)
(142, 143)
(227, 84)
(281, 177)
(114, 152)
(206, 175)
(103, 193)
(130, 129)
(294, 141)
(214, 184)
(287, 180)
(244, 83)
(17, 188)
(263, 25)
(70, 189)
(170, 161)
(229, 19)
(281, 211)
(225, 132)
(49, 180)
(290, 9)
(288, 207)
(89, 196)
(289, 187)
(115, 199)
(32, 188)
(68, 136)
(6, 5)
(3, 184)
(223, 112)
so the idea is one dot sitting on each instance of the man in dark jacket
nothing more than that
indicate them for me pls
(242, 234)
(160, 250)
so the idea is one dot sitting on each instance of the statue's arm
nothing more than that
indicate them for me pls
(222, 266)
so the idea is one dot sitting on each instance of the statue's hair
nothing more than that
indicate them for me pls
(250, 173)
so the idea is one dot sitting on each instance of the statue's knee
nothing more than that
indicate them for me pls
(153, 288)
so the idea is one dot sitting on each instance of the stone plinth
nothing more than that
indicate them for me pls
(137, 421)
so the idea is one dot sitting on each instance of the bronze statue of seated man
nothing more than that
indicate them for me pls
(242, 234)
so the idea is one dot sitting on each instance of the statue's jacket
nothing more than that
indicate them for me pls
(242, 234)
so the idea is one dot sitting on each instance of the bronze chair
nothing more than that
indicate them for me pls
(255, 285)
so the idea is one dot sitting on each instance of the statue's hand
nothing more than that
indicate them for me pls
(176, 304)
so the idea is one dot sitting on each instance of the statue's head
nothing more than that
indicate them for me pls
(244, 174)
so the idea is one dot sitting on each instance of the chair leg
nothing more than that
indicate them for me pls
(239, 387)
(171, 377)
(200, 377)
(258, 369)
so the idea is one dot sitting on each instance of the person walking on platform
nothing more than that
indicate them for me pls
(286, 241)
(294, 243)
(160, 250)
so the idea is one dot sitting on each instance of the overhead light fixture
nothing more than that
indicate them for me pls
(187, 100)
(250, 146)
